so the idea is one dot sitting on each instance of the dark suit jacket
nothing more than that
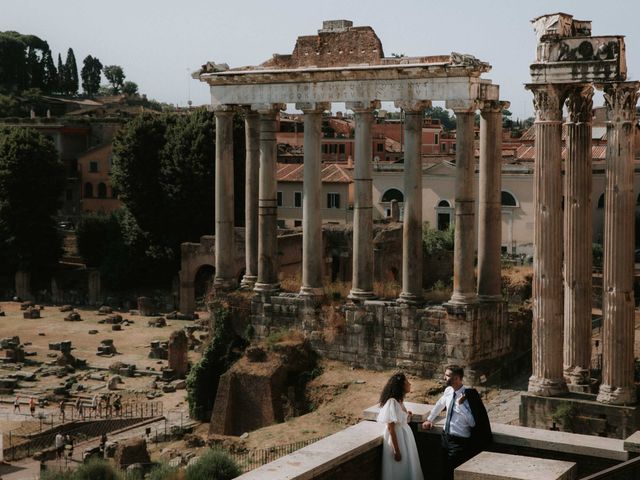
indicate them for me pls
(481, 436)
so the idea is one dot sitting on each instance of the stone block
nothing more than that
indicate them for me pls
(500, 466)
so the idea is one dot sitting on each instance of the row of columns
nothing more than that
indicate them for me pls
(261, 201)
(562, 303)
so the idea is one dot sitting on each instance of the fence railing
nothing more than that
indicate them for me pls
(24, 441)
(256, 458)
(629, 470)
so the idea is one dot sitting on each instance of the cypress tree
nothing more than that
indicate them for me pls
(61, 76)
(50, 82)
(71, 73)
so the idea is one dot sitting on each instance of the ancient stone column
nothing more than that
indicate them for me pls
(252, 167)
(412, 221)
(224, 276)
(178, 354)
(618, 303)
(362, 280)
(267, 281)
(490, 207)
(578, 237)
(547, 377)
(464, 284)
(312, 252)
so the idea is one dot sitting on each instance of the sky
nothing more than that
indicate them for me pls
(160, 42)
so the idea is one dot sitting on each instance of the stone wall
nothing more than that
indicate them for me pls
(384, 335)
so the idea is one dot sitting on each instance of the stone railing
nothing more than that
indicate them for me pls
(355, 452)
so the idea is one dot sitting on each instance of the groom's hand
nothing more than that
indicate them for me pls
(427, 425)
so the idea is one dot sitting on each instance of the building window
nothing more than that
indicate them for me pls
(443, 147)
(508, 200)
(393, 194)
(93, 167)
(435, 141)
(297, 223)
(443, 215)
(341, 148)
(102, 190)
(333, 200)
(279, 199)
(88, 190)
(380, 147)
(297, 199)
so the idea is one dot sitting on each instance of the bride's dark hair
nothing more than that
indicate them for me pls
(394, 388)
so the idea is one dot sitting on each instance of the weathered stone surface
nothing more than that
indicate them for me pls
(496, 466)
(178, 353)
(131, 451)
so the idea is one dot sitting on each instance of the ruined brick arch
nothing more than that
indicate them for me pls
(203, 279)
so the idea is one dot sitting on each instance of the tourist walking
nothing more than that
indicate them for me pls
(32, 406)
(117, 405)
(61, 406)
(79, 407)
(400, 459)
(59, 442)
(467, 430)
(94, 404)
(16, 404)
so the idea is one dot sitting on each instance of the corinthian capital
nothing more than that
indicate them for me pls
(621, 99)
(547, 101)
(580, 103)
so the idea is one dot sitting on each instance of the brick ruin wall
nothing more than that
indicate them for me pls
(384, 335)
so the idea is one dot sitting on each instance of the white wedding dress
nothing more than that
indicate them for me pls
(408, 468)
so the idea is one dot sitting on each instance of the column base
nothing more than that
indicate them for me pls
(409, 299)
(358, 295)
(248, 282)
(459, 298)
(490, 298)
(314, 292)
(220, 283)
(546, 387)
(617, 396)
(577, 376)
(266, 287)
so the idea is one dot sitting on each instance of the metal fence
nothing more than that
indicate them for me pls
(629, 470)
(39, 434)
(256, 458)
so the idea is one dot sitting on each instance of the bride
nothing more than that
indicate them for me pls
(400, 459)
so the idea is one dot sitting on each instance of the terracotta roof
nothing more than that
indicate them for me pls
(331, 173)
(526, 152)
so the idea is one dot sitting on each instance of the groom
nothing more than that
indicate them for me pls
(467, 430)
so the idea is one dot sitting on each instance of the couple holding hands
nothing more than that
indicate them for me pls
(466, 431)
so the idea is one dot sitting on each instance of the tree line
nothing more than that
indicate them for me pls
(27, 63)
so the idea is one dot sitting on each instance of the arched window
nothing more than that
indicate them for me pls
(88, 190)
(508, 200)
(393, 194)
(443, 215)
(601, 201)
(102, 190)
(444, 203)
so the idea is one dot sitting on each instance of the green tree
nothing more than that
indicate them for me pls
(130, 88)
(61, 76)
(446, 120)
(163, 168)
(91, 71)
(31, 183)
(70, 74)
(12, 62)
(50, 80)
(115, 76)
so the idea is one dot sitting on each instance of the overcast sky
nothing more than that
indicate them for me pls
(159, 42)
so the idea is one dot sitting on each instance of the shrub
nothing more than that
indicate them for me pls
(96, 470)
(52, 475)
(213, 465)
(434, 240)
(165, 471)
(217, 357)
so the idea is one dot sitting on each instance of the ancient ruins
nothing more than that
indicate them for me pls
(343, 63)
(569, 63)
